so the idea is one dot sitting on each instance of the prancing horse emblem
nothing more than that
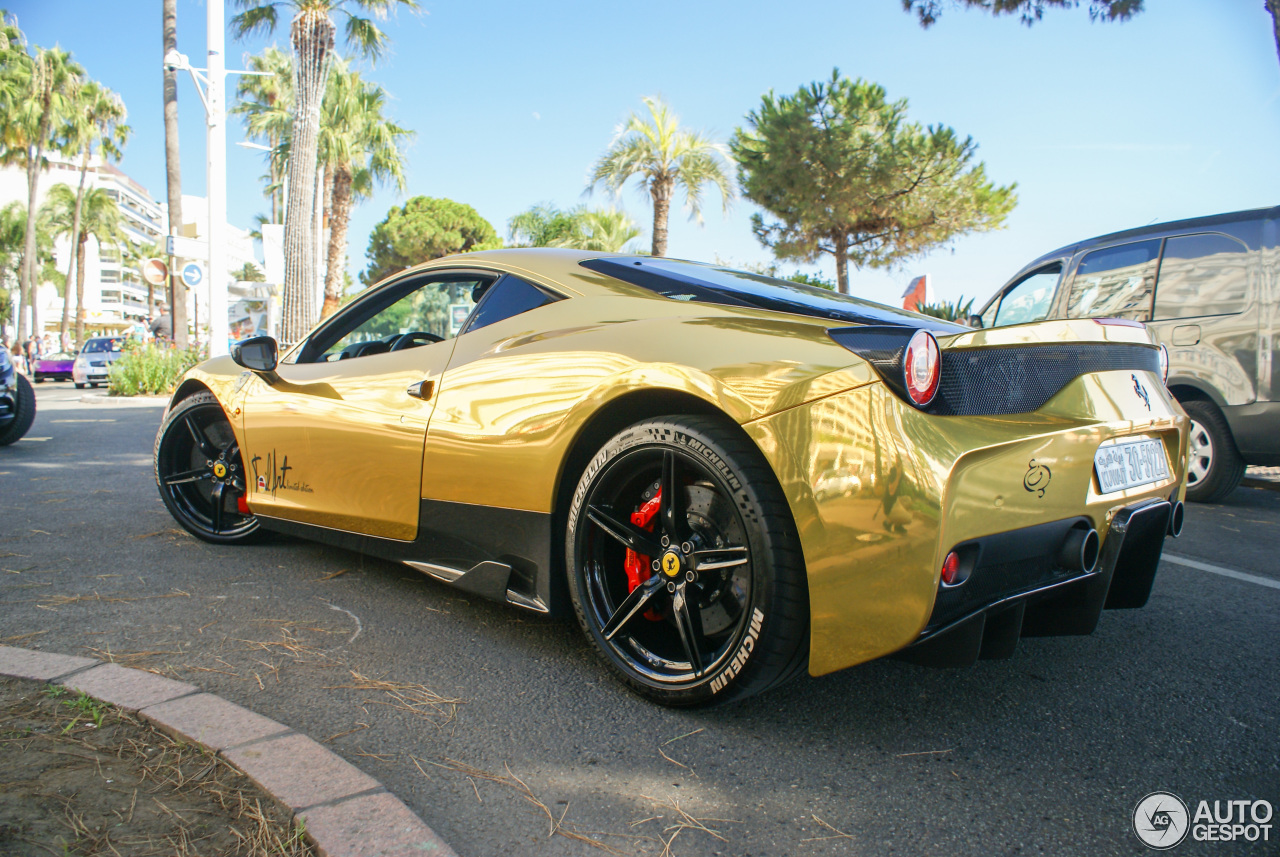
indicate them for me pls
(1141, 391)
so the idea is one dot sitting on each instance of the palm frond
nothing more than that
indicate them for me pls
(259, 16)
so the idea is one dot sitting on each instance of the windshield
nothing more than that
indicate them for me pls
(693, 281)
(99, 346)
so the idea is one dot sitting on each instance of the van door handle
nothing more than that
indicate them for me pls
(422, 390)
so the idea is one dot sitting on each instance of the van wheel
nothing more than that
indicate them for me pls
(1214, 465)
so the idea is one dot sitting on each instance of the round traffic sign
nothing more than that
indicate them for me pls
(192, 274)
(155, 271)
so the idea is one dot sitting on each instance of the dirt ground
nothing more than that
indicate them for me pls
(83, 778)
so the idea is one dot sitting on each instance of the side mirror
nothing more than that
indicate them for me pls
(257, 354)
(975, 321)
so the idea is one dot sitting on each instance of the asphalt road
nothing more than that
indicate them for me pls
(498, 727)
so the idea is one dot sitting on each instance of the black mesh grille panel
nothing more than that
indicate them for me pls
(1020, 379)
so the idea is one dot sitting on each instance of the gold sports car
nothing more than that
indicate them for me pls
(728, 479)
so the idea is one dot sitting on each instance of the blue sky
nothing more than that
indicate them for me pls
(1103, 126)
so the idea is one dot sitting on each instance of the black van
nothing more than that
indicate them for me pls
(1209, 290)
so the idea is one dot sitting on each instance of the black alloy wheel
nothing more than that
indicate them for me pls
(685, 569)
(200, 473)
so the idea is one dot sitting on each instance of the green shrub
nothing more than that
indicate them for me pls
(146, 369)
(948, 311)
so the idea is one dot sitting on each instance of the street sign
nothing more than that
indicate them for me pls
(192, 274)
(155, 271)
(186, 248)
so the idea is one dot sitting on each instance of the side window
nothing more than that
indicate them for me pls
(1202, 275)
(403, 315)
(1115, 282)
(1031, 298)
(509, 297)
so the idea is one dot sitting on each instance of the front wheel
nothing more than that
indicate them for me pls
(684, 564)
(200, 474)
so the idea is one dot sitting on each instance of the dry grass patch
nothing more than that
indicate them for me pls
(83, 777)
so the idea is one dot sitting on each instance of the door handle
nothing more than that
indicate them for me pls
(422, 390)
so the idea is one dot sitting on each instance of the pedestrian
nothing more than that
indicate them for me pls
(162, 325)
(33, 354)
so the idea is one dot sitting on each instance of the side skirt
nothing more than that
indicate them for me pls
(500, 554)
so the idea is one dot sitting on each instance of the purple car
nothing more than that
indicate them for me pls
(55, 367)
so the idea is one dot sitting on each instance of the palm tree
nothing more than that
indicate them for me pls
(97, 118)
(37, 91)
(361, 147)
(173, 165)
(663, 156)
(605, 230)
(99, 218)
(543, 225)
(248, 273)
(13, 229)
(358, 146)
(312, 35)
(266, 102)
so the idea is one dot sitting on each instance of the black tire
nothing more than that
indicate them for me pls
(79, 386)
(26, 412)
(39, 380)
(728, 547)
(1215, 466)
(200, 473)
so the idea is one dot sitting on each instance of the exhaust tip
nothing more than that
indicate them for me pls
(1176, 516)
(1080, 550)
(1090, 551)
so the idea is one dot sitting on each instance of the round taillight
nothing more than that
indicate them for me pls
(1164, 364)
(950, 569)
(922, 367)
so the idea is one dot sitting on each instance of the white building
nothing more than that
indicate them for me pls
(115, 296)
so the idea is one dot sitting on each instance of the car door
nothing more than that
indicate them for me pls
(336, 438)
(1201, 315)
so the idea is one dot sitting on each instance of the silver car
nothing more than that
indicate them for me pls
(94, 359)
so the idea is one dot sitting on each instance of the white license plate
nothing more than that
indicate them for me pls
(1130, 462)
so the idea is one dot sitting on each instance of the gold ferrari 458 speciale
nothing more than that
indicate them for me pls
(728, 478)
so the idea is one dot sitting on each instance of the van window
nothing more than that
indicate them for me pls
(1202, 275)
(1030, 298)
(1115, 282)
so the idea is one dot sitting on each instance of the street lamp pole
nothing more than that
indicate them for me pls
(217, 180)
(213, 96)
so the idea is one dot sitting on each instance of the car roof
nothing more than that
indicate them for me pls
(1154, 229)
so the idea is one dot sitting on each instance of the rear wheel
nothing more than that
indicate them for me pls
(684, 565)
(1214, 466)
(200, 473)
(25, 401)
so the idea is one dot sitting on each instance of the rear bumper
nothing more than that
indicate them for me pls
(929, 483)
(1022, 590)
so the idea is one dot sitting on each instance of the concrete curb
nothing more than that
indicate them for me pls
(1264, 484)
(347, 813)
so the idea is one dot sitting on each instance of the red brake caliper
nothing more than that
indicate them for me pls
(637, 566)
